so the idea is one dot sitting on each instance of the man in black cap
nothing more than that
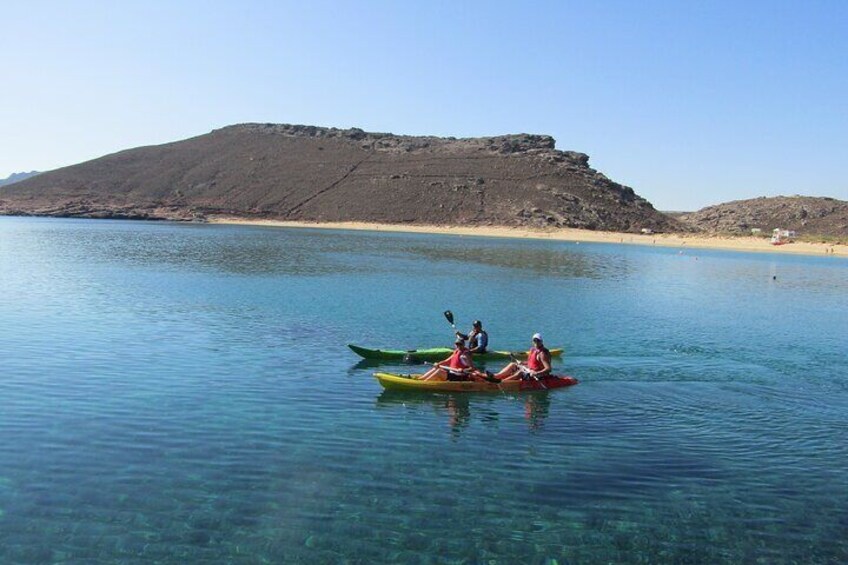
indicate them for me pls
(478, 339)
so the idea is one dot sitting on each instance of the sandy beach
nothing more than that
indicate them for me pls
(745, 244)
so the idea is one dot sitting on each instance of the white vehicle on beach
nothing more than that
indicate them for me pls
(781, 237)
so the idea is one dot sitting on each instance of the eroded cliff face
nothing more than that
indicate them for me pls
(309, 173)
(807, 215)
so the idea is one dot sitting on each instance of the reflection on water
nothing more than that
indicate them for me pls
(536, 408)
(560, 262)
(364, 365)
(316, 252)
(457, 409)
(197, 247)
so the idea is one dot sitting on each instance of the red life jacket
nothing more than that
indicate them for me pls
(457, 361)
(534, 359)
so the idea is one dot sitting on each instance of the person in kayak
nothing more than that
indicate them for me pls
(457, 367)
(538, 364)
(478, 339)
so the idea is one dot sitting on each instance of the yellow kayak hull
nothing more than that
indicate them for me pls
(392, 381)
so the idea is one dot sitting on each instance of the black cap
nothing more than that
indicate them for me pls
(477, 323)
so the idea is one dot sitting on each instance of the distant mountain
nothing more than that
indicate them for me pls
(807, 215)
(17, 177)
(318, 174)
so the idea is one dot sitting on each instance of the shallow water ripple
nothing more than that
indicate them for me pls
(181, 393)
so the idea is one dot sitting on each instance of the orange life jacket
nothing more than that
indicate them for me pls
(458, 359)
(534, 359)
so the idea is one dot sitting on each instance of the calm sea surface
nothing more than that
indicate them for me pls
(183, 393)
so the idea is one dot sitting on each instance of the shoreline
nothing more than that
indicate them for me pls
(742, 243)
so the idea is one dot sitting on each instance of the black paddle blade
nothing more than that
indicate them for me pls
(449, 316)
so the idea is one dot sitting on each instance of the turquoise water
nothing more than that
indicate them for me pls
(182, 393)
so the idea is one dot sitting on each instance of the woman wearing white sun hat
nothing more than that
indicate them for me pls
(538, 363)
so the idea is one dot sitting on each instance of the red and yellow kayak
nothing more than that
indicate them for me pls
(392, 381)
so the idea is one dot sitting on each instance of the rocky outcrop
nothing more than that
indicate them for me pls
(806, 215)
(309, 173)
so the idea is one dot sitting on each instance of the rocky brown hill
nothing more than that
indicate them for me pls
(326, 174)
(807, 215)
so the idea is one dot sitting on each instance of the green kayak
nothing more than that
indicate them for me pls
(433, 354)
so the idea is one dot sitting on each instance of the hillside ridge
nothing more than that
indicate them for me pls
(806, 215)
(311, 173)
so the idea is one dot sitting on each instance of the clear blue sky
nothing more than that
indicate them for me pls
(689, 102)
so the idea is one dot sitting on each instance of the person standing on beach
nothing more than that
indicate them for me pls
(478, 339)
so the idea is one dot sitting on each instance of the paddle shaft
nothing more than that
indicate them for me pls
(451, 369)
(528, 371)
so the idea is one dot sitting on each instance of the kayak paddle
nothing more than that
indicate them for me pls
(449, 318)
(527, 371)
